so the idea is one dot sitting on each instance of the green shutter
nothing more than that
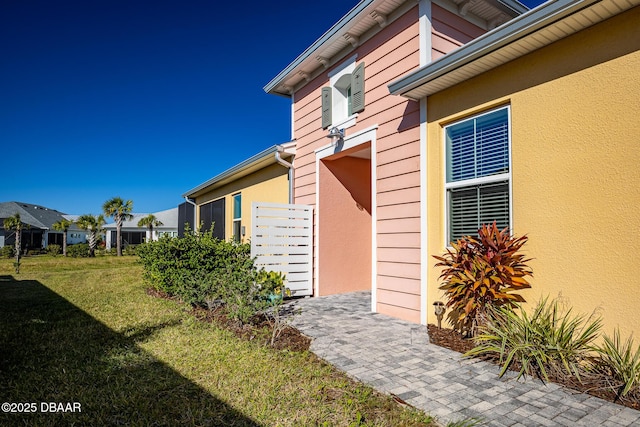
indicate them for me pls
(326, 107)
(357, 89)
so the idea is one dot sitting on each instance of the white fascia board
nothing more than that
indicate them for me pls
(332, 32)
(289, 146)
(514, 30)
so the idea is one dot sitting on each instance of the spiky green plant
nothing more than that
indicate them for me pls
(550, 339)
(619, 362)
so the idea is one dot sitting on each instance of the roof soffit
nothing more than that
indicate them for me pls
(542, 26)
(367, 19)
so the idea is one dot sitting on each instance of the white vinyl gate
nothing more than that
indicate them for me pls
(282, 240)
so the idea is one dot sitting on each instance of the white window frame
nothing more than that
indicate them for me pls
(237, 238)
(477, 181)
(338, 77)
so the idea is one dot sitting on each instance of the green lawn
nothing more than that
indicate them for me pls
(84, 330)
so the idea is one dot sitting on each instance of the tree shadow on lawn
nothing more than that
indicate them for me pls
(52, 351)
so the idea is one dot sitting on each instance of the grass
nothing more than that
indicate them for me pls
(84, 330)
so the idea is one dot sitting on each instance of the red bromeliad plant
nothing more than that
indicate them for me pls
(482, 272)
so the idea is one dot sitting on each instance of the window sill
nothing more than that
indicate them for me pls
(346, 123)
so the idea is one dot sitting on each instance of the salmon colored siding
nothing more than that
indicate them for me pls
(449, 31)
(387, 55)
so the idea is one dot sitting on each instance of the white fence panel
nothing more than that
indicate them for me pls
(282, 240)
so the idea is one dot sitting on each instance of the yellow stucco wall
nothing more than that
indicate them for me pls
(575, 108)
(269, 184)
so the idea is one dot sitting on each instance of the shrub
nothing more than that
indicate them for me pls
(550, 339)
(130, 250)
(173, 264)
(273, 290)
(619, 363)
(483, 272)
(79, 250)
(241, 295)
(7, 251)
(204, 271)
(54, 250)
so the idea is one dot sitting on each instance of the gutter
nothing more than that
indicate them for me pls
(287, 165)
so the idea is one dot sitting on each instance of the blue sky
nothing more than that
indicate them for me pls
(142, 99)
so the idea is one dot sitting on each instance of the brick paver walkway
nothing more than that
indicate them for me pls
(395, 357)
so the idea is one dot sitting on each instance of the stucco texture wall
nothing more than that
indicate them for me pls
(575, 166)
(269, 184)
(345, 232)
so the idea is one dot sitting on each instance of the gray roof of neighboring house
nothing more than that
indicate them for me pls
(35, 216)
(169, 219)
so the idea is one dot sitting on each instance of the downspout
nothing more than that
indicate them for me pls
(192, 202)
(289, 166)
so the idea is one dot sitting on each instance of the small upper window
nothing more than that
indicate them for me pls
(345, 95)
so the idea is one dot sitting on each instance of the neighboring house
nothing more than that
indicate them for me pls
(39, 220)
(224, 201)
(75, 235)
(366, 186)
(132, 234)
(440, 121)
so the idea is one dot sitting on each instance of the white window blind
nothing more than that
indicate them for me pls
(478, 147)
(470, 207)
(477, 178)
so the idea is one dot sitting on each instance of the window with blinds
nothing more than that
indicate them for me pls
(477, 175)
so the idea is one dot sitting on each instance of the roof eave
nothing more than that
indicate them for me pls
(509, 7)
(511, 32)
(266, 156)
(330, 33)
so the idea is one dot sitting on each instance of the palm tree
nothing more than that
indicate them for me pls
(63, 225)
(150, 221)
(120, 211)
(14, 223)
(93, 224)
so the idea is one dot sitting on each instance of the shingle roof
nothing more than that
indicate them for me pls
(35, 216)
(169, 219)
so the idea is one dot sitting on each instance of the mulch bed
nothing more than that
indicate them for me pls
(259, 329)
(591, 384)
